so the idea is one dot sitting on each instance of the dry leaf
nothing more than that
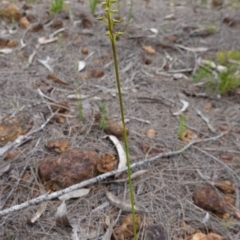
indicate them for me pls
(225, 186)
(114, 128)
(183, 109)
(12, 154)
(151, 150)
(237, 215)
(71, 167)
(61, 216)
(229, 200)
(106, 163)
(208, 106)
(12, 128)
(208, 199)
(57, 24)
(86, 23)
(230, 21)
(188, 136)
(151, 133)
(60, 107)
(96, 73)
(217, 4)
(58, 145)
(186, 230)
(31, 17)
(125, 230)
(214, 236)
(120, 203)
(75, 194)
(147, 60)
(56, 79)
(36, 27)
(84, 50)
(199, 236)
(223, 128)
(149, 49)
(8, 43)
(24, 22)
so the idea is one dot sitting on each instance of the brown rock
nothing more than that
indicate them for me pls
(71, 167)
(207, 198)
(10, 12)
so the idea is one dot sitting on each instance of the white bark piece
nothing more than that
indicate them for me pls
(75, 194)
(206, 218)
(81, 65)
(183, 109)
(61, 216)
(206, 120)
(153, 30)
(213, 65)
(121, 153)
(6, 50)
(193, 49)
(77, 96)
(43, 40)
(46, 64)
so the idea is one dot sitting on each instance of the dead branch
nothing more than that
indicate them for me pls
(47, 196)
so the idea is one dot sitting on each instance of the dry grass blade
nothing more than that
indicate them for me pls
(4, 167)
(121, 204)
(39, 212)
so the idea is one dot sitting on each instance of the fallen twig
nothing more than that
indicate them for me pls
(47, 197)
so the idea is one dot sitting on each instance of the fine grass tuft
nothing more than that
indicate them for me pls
(221, 82)
(57, 6)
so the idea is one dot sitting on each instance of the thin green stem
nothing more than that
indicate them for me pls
(113, 38)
